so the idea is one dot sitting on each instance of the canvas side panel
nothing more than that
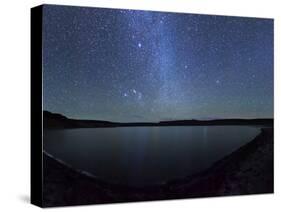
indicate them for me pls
(36, 105)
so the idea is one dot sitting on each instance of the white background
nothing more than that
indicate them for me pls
(15, 103)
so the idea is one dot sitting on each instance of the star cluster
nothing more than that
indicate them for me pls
(128, 65)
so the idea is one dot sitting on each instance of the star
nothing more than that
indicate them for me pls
(139, 95)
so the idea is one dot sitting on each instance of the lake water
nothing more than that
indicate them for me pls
(145, 155)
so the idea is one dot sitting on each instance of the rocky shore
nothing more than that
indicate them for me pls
(248, 170)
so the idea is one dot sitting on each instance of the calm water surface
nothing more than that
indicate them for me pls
(145, 155)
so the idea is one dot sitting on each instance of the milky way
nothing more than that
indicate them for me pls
(128, 65)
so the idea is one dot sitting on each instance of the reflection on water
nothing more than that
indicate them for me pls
(145, 155)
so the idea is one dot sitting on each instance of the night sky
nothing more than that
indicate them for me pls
(128, 65)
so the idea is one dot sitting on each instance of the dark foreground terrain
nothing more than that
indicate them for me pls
(248, 170)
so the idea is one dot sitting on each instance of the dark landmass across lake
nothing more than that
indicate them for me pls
(58, 121)
(248, 170)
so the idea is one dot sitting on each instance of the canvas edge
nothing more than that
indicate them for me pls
(36, 188)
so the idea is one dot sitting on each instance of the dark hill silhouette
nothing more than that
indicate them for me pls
(55, 120)
(219, 122)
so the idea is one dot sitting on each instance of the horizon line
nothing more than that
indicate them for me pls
(192, 119)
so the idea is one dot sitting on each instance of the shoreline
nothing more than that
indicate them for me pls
(59, 121)
(247, 170)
